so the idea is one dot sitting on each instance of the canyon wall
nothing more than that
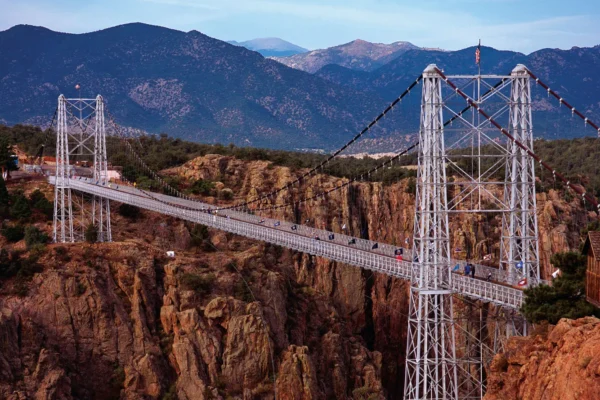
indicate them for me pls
(231, 317)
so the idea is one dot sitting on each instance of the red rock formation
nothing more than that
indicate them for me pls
(563, 364)
(116, 321)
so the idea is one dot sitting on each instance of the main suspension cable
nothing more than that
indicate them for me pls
(178, 193)
(333, 155)
(579, 189)
(336, 188)
(562, 101)
(488, 93)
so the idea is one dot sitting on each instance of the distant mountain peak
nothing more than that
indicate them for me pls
(271, 46)
(358, 54)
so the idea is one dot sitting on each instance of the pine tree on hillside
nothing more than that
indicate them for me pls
(6, 153)
(4, 198)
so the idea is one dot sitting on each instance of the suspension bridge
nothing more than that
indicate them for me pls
(459, 161)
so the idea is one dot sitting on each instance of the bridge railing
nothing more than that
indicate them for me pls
(361, 256)
(505, 295)
(481, 271)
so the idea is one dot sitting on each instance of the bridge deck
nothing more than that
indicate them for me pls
(303, 239)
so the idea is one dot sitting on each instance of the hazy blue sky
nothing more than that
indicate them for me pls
(523, 25)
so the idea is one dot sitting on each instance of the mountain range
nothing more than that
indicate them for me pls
(358, 55)
(187, 84)
(195, 87)
(271, 47)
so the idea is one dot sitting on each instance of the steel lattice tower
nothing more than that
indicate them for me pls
(430, 358)
(519, 252)
(101, 206)
(63, 205)
(77, 140)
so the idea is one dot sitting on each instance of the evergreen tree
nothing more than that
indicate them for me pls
(565, 298)
(20, 208)
(4, 198)
(39, 202)
(6, 153)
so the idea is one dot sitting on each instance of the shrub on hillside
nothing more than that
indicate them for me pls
(91, 233)
(4, 198)
(226, 194)
(411, 186)
(34, 236)
(40, 203)
(202, 187)
(13, 264)
(13, 233)
(20, 208)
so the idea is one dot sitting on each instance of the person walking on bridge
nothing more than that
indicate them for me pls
(472, 271)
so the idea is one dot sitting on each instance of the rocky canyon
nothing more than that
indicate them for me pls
(233, 318)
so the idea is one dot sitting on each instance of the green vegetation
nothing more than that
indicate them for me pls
(15, 264)
(161, 152)
(364, 393)
(17, 206)
(4, 199)
(41, 204)
(226, 194)
(170, 394)
(20, 207)
(62, 254)
(13, 233)
(200, 238)
(203, 187)
(576, 159)
(29, 138)
(565, 298)
(91, 233)
(33, 236)
(411, 186)
(5, 154)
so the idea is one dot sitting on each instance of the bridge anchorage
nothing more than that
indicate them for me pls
(468, 164)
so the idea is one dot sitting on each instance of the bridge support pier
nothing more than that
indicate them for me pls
(431, 368)
(519, 251)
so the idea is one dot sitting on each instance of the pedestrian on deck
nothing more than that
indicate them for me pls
(467, 269)
(472, 271)
(489, 277)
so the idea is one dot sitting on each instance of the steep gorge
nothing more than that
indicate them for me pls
(237, 319)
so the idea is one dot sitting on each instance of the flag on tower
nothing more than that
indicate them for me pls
(478, 53)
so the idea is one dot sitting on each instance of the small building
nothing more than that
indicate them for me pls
(113, 175)
(591, 249)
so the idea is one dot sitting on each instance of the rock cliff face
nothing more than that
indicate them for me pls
(563, 363)
(238, 319)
